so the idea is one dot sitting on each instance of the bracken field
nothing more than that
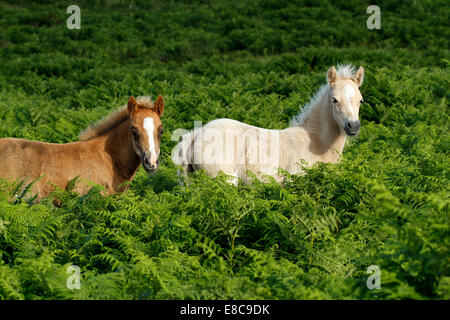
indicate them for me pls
(386, 203)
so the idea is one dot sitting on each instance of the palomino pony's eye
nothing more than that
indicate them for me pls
(334, 100)
(362, 101)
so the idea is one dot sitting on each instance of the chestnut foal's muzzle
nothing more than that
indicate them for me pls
(150, 162)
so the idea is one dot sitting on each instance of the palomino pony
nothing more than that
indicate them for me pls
(108, 153)
(318, 133)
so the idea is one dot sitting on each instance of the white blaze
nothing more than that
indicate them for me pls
(349, 93)
(149, 126)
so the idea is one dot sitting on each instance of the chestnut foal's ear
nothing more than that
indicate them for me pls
(159, 105)
(332, 75)
(359, 76)
(132, 105)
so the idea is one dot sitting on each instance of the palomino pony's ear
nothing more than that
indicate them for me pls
(332, 75)
(132, 105)
(359, 76)
(159, 105)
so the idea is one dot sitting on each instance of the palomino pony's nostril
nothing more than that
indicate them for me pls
(353, 125)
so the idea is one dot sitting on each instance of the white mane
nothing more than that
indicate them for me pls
(344, 71)
(305, 111)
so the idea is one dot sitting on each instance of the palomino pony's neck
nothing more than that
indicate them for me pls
(318, 122)
(118, 144)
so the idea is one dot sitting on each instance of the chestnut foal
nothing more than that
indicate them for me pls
(108, 153)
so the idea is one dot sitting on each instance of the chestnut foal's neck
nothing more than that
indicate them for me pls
(119, 145)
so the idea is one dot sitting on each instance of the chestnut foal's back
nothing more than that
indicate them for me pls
(108, 154)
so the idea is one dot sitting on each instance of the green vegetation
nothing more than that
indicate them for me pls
(385, 204)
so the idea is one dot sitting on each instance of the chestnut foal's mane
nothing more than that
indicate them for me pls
(113, 120)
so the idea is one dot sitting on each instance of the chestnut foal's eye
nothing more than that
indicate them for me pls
(135, 133)
(162, 131)
(334, 100)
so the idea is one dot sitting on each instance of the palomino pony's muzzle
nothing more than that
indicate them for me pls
(352, 128)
